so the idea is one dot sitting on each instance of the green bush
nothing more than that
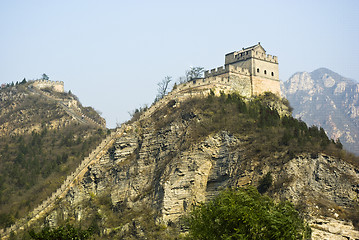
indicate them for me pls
(31, 165)
(246, 214)
(61, 233)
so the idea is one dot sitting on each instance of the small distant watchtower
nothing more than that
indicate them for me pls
(262, 67)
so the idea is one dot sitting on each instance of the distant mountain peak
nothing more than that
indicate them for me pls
(324, 97)
(324, 73)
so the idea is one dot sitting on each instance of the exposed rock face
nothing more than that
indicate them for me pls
(156, 170)
(329, 228)
(326, 99)
(150, 168)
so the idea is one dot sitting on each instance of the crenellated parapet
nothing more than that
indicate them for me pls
(226, 69)
(43, 81)
(234, 57)
(266, 57)
(57, 86)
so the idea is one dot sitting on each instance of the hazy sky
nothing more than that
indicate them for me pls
(111, 54)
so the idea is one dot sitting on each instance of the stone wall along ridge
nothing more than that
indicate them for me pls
(49, 203)
(197, 87)
(58, 86)
(65, 106)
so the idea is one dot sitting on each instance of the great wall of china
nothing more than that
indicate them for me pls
(48, 204)
(182, 92)
(57, 86)
(75, 113)
(199, 87)
(223, 79)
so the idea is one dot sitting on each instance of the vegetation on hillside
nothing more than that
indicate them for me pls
(100, 215)
(34, 165)
(36, 157)
(268, 138)
(256, 121)
(245, 214)
(61, 233)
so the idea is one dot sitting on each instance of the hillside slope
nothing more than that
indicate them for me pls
(186, 152)
(326, 99)
(43, 136)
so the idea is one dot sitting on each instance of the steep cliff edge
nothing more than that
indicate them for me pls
(185, 153)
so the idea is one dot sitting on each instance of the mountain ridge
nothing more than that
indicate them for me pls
(325, 98)
(43, 135)
(185, 152)
(186, 148)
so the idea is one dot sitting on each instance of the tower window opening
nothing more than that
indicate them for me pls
(265, 71)
(272, 74)
(257, 70)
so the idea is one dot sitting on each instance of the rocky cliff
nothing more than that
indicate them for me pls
(326, 99)
(185, 153)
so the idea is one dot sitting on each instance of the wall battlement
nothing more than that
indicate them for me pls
(225, 69)
(57, 86)
(250, 71)
(242, 56)
(267, 57)
(48, 81)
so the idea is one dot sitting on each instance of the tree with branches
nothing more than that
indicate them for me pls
(163, 87)
(194, 72)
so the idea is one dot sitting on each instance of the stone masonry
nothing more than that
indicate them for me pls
(57, 86)
(249, 71)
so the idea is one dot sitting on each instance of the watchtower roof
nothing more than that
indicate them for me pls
(258, 45)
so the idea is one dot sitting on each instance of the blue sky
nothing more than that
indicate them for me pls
(111, 54)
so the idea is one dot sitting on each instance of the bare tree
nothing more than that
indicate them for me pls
(194, 72)
(163, 87)
(182, 79)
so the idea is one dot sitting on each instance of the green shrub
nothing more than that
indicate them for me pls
(62, 233)
(245, 214)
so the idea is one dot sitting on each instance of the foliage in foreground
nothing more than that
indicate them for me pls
(246, 214)
(61, 233)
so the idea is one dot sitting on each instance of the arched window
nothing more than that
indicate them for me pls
(272, 74)
(257, 70)
(265, 71)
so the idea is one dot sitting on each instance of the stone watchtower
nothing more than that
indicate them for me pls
(263, 68)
